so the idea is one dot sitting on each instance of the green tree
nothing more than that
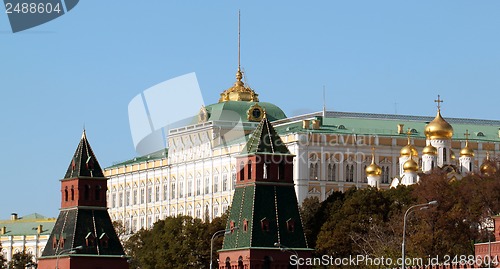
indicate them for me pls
(21, 260)
(3, 260)
(175, 242)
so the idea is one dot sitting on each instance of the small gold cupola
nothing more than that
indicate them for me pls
(373, 169)
(410, 166)
(488, 168)
(466, 151)
(430, 150)
(438, 128)
(409, 150)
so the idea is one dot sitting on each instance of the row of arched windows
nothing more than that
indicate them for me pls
(69, 193)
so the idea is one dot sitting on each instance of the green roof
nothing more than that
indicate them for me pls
(161, 154)
(28, 225)
(236, 110)
(263, 202)
(386, 125)
(265, 140)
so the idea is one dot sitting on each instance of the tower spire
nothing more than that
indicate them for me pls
(239, 91)
(239, 44)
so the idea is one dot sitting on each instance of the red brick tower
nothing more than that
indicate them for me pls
(83, 236)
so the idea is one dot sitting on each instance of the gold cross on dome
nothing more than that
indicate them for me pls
(439, 101)
(467, 134)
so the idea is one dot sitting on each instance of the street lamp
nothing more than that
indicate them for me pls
(70, 251)
(285, 248)
(215, 235)
(422, 206)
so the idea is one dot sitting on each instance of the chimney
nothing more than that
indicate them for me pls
(3, 230)
(401, 128)
(305, 124)
(13, 216)
(40, 229)
(315, 124)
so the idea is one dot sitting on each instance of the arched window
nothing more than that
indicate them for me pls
(240, 262)
(228, 263)
(249, 169)
(267, 262)
(470, 166)
(242, 171)
(97, 193)
(66, 194)
(281, 170)
(316, 170)
(311, 171)
(72, 193)
(444, 155)
(87, 192)
(331, 171)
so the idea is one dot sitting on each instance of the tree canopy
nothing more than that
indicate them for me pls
(369, 221)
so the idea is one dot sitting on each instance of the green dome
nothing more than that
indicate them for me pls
(235, 110)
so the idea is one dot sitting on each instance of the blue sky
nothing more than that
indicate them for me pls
(372, 56)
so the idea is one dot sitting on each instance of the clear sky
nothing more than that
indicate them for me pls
(86, 66)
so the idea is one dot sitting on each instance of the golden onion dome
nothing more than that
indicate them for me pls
(430, 150)
(438, 128)
(466, 151)
(373, 169)
(488, 168)
(410, 166)
(408, 150)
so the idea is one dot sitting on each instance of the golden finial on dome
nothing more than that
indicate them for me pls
(239, 92)
(409, 149)
(466, 151)
(373, 169)
(438, 128)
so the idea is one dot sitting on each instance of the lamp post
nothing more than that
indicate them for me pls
(422, 206)
(70, 251)
(215, 235)
(285, 248)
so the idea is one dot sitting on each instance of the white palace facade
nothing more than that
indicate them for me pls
(195, 175)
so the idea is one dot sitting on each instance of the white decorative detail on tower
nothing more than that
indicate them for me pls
(408, 152)
(410, 176)
(466, 157)
(429, 156)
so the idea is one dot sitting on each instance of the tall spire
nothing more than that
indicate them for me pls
(239, 91)
(239, 44)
